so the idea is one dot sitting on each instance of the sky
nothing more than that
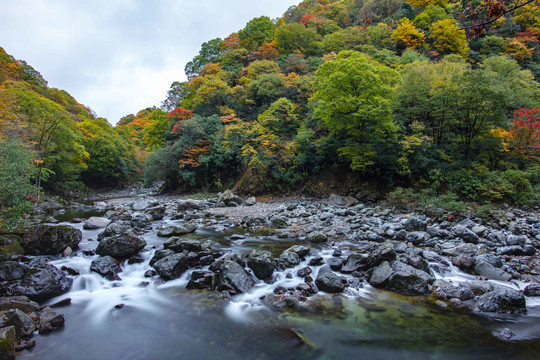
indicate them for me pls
(120, 56)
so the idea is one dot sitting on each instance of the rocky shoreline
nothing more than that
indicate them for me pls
(405, 252)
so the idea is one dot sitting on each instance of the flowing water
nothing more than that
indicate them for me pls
(146, 318)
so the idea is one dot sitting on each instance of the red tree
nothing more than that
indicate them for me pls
(525, 132)
(178, 115)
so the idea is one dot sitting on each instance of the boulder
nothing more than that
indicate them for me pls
(200, 279)
(177, 230)
(511, 250)
(316, 237)
(383, 252)
(262, 263)
(18, 302)
(156, 212)
(301, 250)
(50, 239)
(489, 271)
(42, 282)
(172, 266)
(329, 281)
(24, 325)
(106, 266)
(341, 201)
(250, 201)
(491, 259)
(12, 270)
(466, 235)
(160, 254)
(190, 204)
(277, 221)
(115, 228)
(288, 259)
(233, 278)
(446, 291)
(355, 262)
(532, 290)
(502, 301)
(142, 204)
(401, 278)
(177, 244)
(121, 246)
(416, 261)
(415, 223)
(96, 223)
(228, 197)
(7, 343)
(50, 320)
(520, 240)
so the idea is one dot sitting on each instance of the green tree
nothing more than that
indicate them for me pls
(353, 99)
(296, 37)
(448, 38)
(257, 32)
(210, 51)
(176, 94)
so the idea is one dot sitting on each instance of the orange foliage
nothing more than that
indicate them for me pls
(192, 157)
(231, 42)
(268, 51)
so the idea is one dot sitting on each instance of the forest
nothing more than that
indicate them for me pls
(434, 97)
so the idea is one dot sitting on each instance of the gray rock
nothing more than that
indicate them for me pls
(489, 271)
(288, 259)
(24, 325)
(341, 201)
(335, 263)
(172, 266)
(502, 301)
(106, 266)
(330, 282)
(416, 261)
(115, 228)
(301, 250)
(401, 278)
(415, 223)
(316, 237)
(177, 230)
(160, 254)
(233, 278)
(18, 302)
(446, 291)
(96, 223)
(251, 201)
(262, 263)
(142, 204)
(506, 334)
(12, 270)
(434, 257)
(277, 221)
(50, 320)
(532, 290)
(200, 279)
(50, 239)
(121, 246)
(491, 259)
(383, 252)
(140, 221)
(417, 237)
(511, 250)
(191, 205)
(156, 213)
(355, 262)
(465, 234)
(520, 240)
(177, 244)
(469, 250)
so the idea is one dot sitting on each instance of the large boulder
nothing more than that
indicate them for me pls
(466, 235)
(233, 278)
(341, 201)
(106, 266)
(262, 263)
(329, 281)
(96, 223)
(191, 205)
(121, 246)
(446, 291)
(41, 282)
(355, 262)
(115, 228)
(177, 230)
(489, 271)
(172, 266)
(288, 259)
(24, 325)
(383, 252)
(18, 302)
(50, 320)
(316, 237)
(142, 204)
(50, 239)
(502, 301)
(401, 278)
(12, 270)
(177, 244)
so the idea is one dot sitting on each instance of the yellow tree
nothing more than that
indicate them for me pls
(447, 38)
(407, 35)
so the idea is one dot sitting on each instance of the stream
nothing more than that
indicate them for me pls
(142, 317)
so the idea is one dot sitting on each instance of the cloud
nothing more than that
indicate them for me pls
(121, 56)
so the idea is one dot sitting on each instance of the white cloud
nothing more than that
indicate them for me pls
(120, 56)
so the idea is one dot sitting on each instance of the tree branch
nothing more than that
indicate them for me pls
(487, 22)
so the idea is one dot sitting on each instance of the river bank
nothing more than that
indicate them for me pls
(304, 259)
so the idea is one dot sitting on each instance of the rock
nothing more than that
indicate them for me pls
(156, 213)
(532, 290)
(160, 255)
(301, 250)
(478, 287)
(106, 266)
(446, 291)
(177, 230)
(355, 262)
(303, 272)
(67, 252)
(191, 205)
(465, 234)
(7, 343)
(42, 282)
(228, 197)
(316, 261)
(142, 204)
(469, 250)
(96, 223)
(200, 279)
(115, 228)
(233, 278)
(24, 325)
(511, 250)
(401, 278)
(262, 263)
(415, 223)
(50, 320)
(177, 244)
(329, 282)
(281, 302)
(121, 246)
(383, 252)
(341, 201)
(417, 237)
(316, 237)
(502, 301)
(18, 302)
(416, 261)
(250, 201)
(277, 221)
(520, 240)
(465, 263)
(50, 239)
(172, 266)
(12, 270)
(139, 221)
(434, 257)
(335, 263)
(288, 259)
(491, 259)
(487, 270)
(506, 334)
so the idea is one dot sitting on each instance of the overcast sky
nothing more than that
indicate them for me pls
(120, 56)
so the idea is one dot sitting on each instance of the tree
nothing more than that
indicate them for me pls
(295, 37)
(280, 118)
(525, 135)
(353, 98)
(448, 38)
(210, 51)
(407, 36)
(176, 94)
(257, 32)
(154, 134)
